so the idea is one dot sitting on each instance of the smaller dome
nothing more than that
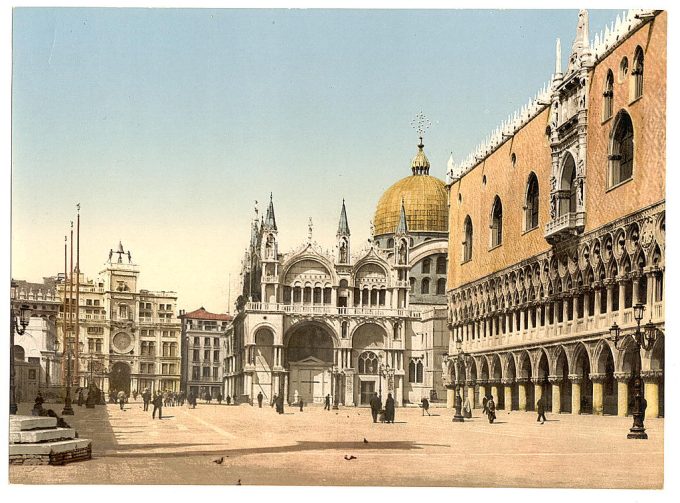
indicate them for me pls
(420, 164)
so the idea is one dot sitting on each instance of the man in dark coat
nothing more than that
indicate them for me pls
(485, 408)
(146, 398)
(81, 399)
(157, 406)
(279, 404)
(491, 409)
(327, 403)
(260, 397)
(389, 409)
(425, 403)
(302, 404)
(540, 409)
(376, 405)
(219, 397)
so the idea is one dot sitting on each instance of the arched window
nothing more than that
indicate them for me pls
(441, 264)
(368, 363)
(426, 266)
(123, 312)
(496, 222)
(467, 243)
(412, 371)
(567, 200)
(441, 286)
(419, 372)
(425, 286)
(531, 209)
(608, 94)
(390, 243)
(412, 281)
(638, 70)
(19, 353)
(621, 155)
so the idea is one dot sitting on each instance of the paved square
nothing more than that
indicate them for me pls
(309, 448)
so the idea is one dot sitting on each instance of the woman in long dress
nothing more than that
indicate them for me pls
(389, 409)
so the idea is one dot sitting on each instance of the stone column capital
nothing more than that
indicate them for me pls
(522, 380)
(651, 376)
(470, 382)
(597, 378)
(622, 376)
(575, 378)
(555, 379)
(482, 382)
(507, 380)
(494, 382)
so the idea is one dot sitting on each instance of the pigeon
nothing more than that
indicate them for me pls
(350, 458)
(219, 461)
(238, 482)
(365, 441)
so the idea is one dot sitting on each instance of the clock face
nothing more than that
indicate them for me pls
(122, 342)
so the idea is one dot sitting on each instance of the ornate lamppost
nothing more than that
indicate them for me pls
(335, 388)
(458, 401)
(384, 371)
(642, 339)
(24, 317)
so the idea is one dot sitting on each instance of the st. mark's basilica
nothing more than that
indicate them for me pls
(536, 270)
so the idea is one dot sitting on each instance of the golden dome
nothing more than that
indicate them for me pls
(425, 202)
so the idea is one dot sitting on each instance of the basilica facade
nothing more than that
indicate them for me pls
(347, 324)
(557, 233)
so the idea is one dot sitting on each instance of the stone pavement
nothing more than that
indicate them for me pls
(309, 448)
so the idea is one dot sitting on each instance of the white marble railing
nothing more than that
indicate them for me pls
(331, 310)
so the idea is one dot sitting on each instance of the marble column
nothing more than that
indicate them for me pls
(622, 379)
(651, 378)
(507, 389)
(522, 393)
(538, 391)
(471, 393)
(482, 390)
(450, 396)
(494, 392)
(576, 381)
(555, 381)
(598, 393)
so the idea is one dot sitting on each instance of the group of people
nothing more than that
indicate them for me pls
(385, 415)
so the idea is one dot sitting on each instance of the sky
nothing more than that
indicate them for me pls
(166, 125)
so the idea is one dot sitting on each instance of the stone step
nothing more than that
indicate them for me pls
(26, 423)
(47, 448)
(48, 435)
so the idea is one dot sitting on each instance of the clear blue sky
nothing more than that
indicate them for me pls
(167, 124)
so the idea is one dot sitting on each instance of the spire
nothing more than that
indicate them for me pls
(270, 219)
(420, 164)
(402, 228)
(343, 226)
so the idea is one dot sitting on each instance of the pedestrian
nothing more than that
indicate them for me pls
(274, 398)
(327, 403)
(302, 404)
(279, 404)
(80, 397)
(134, 395)
(485, 408)
(491, 408)
(146, 398)
(389, 409)
(260, 397)
(192, 399)
(467, 409)
(219, 398)
(121, 399)
(540, 410)
(376, 405)
(425, 403)
(157, 406)
(208, 397)
(228, 399)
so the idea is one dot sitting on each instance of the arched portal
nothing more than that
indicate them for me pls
(609, 385)
(542, 380)
(119, 378)
(524, 372)
(512, 374)
(582, 369)
(264, 361)
(566, 388)
(368, 343)
(309, 358)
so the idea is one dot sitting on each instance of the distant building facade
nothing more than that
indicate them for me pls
(126, 338)
(557, 229)
(204, 336)
(312, 323)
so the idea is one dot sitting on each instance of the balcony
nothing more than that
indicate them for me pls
(331, 310)
(565, 226)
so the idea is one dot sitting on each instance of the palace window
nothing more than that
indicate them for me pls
(441, 264)
(426, 266)
(531, 209)
(467, 243)
(412, 371)
(638, 70)
(496, 223)
(412, 281)
(608, 95)
(441, 286)
(568, 186)
(425, 286)
(621, 154)
(390, 243)
(368, 363)
(419, 371)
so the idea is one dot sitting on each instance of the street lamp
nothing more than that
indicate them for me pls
(20, 327)
(335, 372)
(642, 339)
(458, 402)
(385, 371)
